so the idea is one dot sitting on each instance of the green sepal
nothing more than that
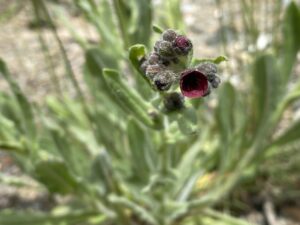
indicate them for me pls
(216, 60)
(136, 54)
(157, 29)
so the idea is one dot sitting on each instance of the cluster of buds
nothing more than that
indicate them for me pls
(167, 66)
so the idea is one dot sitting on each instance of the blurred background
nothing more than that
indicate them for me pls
(48, 44)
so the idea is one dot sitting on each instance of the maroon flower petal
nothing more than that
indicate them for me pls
(182, 45)
(193, 84)
(182, 41)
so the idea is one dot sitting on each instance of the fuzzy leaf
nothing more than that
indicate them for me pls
(291, 39)
(142, 213)
(136, 54)
(24, 105)
(140, 149)
(225, 110)
(104, 173)
(35, 218)
(187, 121)
(56, 177)
(157, 29)
(266, 88)
(216, 60)
(13, 147)
(130, 99)
(289, 136)
(140, 29)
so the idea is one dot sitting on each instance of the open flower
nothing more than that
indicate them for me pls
(193, 84)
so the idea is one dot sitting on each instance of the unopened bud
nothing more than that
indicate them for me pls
(173, 101)
(164, 80)
(182, 45)
(165, 49)
(153, 70)
(153, 58)
(169, 35)
(144, 65)
(207, 68)
(210, 71)
(215, 81)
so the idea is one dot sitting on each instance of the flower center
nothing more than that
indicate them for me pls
(193, 84)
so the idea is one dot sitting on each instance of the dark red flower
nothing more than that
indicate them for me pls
(182, 41)
(182, 45)
(193, 84)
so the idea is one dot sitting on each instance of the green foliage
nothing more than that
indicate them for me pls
(217, 60)
(118, 154)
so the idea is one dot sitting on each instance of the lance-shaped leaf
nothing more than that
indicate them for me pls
(289, 136)
(55, 175)
(104, 172)
(95, 61)
(136, 54)
(13, 147)
(139, 211)
(157, 29)
(187, 121)
(131, 100)
(291, 40)
(140, 149)
(24, 105)
(141, 21)
(216, 60)
(225, 110)
(36, 218)
(266, 89)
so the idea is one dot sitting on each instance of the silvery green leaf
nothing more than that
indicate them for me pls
(157, 29)
(24, 105)
(291, 40)
(187, 121)
(216, 60)
(55, 175)
(130, 99)
(38, 218)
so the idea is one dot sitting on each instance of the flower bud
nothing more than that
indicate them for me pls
(153, 58)
(210, 70)
(144, 65)
(173, 101)
(182, 45)
(169, 35)
(193, 84)
(165, 49)
(215, 81)
(153, 70)
(207, 68)
(164, 80)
